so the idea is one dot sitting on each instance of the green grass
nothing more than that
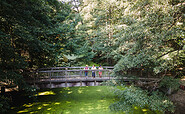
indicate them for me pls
(72, 100)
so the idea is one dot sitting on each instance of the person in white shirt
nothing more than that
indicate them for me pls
(93, 72)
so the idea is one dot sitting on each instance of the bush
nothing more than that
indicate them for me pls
(131, 97)
(169, 84)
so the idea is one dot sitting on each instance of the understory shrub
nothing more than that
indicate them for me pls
(131, 97)
(169, 84)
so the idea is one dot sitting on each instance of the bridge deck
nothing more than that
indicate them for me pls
(76, 79)
(89, 79)
(52, 76)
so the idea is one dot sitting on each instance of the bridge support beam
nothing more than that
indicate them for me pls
(66, 84)
(94, 82)
(50, 79)
(80, 83)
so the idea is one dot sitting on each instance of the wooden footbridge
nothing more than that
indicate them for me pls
(69, 76)
(75, 76)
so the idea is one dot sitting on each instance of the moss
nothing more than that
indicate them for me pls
(73, 100)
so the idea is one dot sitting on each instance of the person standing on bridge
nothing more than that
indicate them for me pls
(93, 72)
(100, 71)
(86, 72)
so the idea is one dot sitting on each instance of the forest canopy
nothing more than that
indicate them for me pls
(33, 34)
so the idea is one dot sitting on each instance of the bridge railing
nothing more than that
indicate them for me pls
(70, 72)
(71, 68)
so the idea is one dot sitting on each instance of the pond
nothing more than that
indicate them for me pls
(71, 100)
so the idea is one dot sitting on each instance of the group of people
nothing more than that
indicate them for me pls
(93, 68)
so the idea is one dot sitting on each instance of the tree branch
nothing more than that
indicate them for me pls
(166, 54)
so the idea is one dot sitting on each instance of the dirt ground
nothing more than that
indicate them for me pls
(178, 99)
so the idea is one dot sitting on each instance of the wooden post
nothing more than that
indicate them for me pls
(80, 83)
(95, 73)
(34, 78)
(65, 83)
(66, 72)
(50, 78)
(109, 74)
(51, 74)
(80, 73)
(106, 72)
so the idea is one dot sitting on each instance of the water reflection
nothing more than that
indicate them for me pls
(69, 84)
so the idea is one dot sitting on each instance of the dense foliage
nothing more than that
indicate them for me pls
(33, 33)
(138, 34)
(131, 34)
(153, 36)
(132, 97)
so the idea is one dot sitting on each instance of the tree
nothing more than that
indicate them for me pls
(152, 39)
(32, 34)
(146, 34)
(152, 36)
(100, 21)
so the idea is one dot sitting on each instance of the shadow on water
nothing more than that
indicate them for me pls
(68, 100)
(68, 84)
